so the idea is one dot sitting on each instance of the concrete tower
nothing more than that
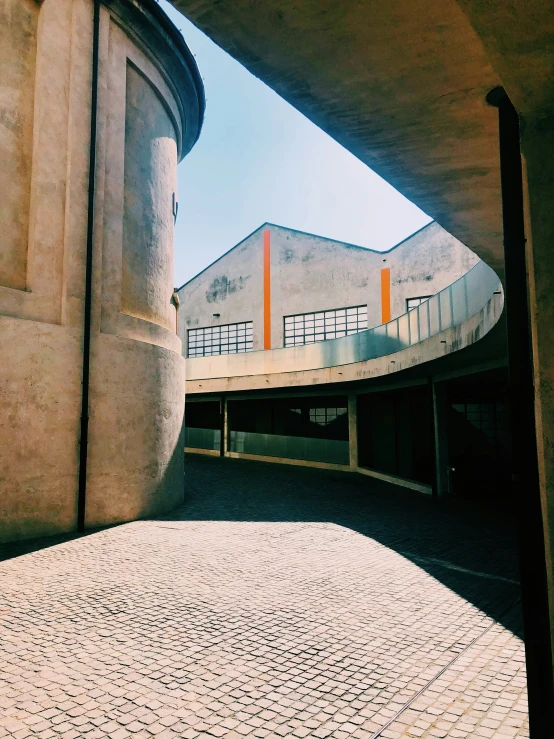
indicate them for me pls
(148, 112)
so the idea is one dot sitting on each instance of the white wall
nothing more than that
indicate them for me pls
(311, 273)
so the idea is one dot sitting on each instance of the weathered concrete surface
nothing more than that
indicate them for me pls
(39, 425)
(424, 264)
(538, 150)
(40, 373)
(278, 603)
(518, 36)
(18, 28)
(45, 112)
(150, 159)
(312, 273)
(232, 286)
(136, 453)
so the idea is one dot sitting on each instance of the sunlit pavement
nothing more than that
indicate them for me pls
(278, 602)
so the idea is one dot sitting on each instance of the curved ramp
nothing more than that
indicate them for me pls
(452, 319)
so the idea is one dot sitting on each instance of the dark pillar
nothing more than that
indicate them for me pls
(440, 438)
(525, 476)
(224, 430)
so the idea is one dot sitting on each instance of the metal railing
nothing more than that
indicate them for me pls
(290, 447)
(199, 438)
(447, 309)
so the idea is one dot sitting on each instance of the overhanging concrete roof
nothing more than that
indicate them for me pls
(402, 85)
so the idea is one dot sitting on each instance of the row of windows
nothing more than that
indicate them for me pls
(325, 416)
(490, 418)
(308, 328)
(233, 338)
(304, 328)
(322, 416)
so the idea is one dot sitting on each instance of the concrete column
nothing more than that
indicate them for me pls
(538, 154)
(440, 440)
(353, 429)
(224, 441)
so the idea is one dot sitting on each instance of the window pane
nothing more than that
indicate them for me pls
(326, 325)
(213, 340)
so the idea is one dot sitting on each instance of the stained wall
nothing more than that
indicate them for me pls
(146, 124)
(312, 273)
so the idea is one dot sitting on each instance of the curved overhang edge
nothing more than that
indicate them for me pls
(439, 345)
(165, 42)
(456, 317)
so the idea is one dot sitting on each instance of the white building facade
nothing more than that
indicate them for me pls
(280, 287)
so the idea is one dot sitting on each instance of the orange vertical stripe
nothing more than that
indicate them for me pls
(267, 290)
(385, 295)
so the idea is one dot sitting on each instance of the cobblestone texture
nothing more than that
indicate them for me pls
(278, 602)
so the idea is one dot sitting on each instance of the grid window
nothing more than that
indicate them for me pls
(490, 418)
(309, 328)
(325, 416)
(229, 339)
(414, 302)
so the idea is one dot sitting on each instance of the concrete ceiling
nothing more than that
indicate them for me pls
(401, 84)
(518, 36)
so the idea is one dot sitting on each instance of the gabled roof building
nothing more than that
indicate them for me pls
(281, 287)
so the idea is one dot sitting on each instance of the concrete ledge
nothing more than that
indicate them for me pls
(276, 460)
(208, 452)
(393, 479)
(403, 482)
(294, 462)
(439, 345)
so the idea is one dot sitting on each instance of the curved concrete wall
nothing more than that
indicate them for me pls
(149, 116)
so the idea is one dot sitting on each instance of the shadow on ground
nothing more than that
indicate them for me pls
(27, 546)
(467, 546)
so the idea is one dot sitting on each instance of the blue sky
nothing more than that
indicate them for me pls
(258, 159)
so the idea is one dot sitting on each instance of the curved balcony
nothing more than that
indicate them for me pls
(452, 319)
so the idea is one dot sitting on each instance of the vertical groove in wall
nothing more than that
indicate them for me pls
(83, 444)
(267, 290)
(19, 44)
(385, 295)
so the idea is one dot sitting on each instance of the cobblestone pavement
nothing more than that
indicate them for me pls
(278, 602)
